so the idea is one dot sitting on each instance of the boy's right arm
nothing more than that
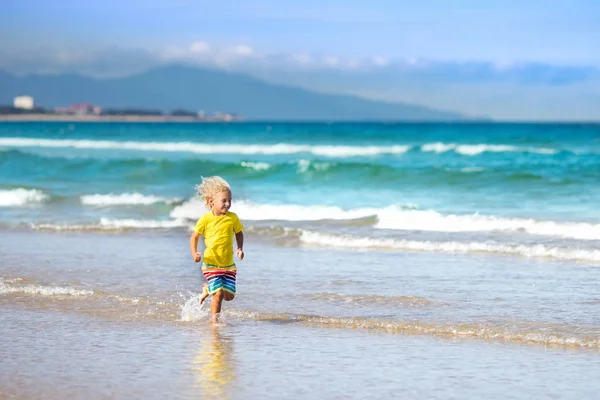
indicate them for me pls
(194, 246)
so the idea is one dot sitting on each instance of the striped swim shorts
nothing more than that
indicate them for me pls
(219, 278)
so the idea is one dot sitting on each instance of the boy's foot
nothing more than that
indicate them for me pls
(204, 293)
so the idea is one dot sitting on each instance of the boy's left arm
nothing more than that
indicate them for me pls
(239, 238)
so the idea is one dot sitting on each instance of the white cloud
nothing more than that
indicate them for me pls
(353, 64)
(302, 58)
(199, 47)
(172, 52)
(223, 62)
(242, 57)
(415, 62)
(331, 61)
(243, 50)
(380, 61)
(67, 57)
(502, 66)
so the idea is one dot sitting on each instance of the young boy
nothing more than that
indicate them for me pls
(218, 226)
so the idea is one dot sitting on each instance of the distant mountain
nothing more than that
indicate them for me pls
(176, 87)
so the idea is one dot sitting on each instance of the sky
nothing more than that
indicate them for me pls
(430, 52)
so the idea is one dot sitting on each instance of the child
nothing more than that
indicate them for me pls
(218, 226)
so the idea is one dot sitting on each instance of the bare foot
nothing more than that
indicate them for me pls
(204, 293)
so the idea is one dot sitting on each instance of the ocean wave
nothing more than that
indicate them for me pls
(429, 220)
(111, 225)
(124, 199)
(21, 197)
(142, 223)
(272, 212)
(467, 169)
(136, 308)
(404, 217)
(371, 299)
(198, 148)
(333, 151)
(7, 287)
(475, 149)
(515, 334)
(257, 166)
(524, 250)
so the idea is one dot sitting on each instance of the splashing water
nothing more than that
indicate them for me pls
(192, 310)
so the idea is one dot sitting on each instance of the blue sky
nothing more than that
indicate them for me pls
(559, 31)
(475, 45)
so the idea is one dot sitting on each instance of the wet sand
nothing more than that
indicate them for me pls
(114, 315)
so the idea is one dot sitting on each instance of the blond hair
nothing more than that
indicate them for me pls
(211, 186)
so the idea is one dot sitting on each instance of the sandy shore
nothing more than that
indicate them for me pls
(115, 315)
(104, 118)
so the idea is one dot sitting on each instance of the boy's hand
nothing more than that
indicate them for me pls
(197, 257)
(240, 254)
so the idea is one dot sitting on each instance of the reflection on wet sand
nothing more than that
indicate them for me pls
(215, 363)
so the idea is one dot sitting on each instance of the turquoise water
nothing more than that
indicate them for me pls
(513, 183)
(433, 260)
(489, 168)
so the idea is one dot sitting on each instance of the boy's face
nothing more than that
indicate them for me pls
(221, 202)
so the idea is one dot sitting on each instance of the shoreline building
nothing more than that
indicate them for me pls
(79, 109)
(24, 102)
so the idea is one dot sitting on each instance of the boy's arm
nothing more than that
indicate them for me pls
(194, 246)
(239, 238)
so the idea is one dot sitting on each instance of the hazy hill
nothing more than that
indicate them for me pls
(175, 87)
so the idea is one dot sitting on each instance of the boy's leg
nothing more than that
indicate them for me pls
(204, 292)
(223, 288)
(215, 305)
(228, 296)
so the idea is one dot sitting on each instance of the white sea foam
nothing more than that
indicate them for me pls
(257, 166)
(284, 212)
(306, 165)
(43, 290)
(270, 149)
(524, 333)
(199, 148)
(472, 169)
(107, 225)
(142, 223)
(400, 218)
(61, 227)
(21, 197)
(475, 149)
(428, 220)
(364, 243)
(192, 310)
(123, 199)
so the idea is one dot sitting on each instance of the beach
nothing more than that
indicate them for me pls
(382, 260)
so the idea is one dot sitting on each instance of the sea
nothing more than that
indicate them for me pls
(383, 260)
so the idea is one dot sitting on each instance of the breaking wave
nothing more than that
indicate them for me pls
(523, 250)
(208, 148)
(8, 287)
(22, 197)
(403, 217)
(475, 149)
(334, 151)
(124, 199)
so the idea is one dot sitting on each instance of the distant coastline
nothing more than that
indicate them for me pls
(105, 118)
(25, 109)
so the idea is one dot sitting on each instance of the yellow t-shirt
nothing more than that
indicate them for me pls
(218, 232)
